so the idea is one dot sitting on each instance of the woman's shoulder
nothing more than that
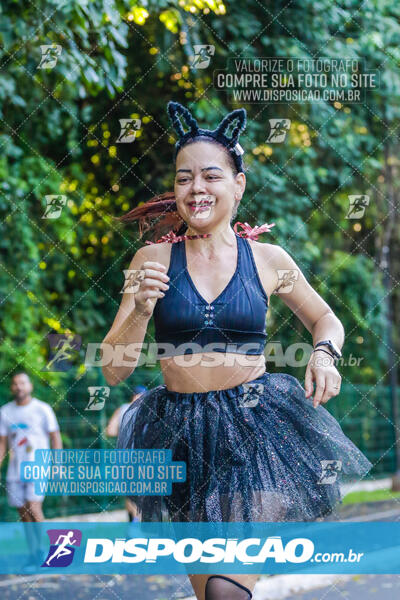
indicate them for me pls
(271, 260)
(267, 252)
(267, 260)
(155, 249)
(160, 252)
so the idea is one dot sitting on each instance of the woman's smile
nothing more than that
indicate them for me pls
(201, 206)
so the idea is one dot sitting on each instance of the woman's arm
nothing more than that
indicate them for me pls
(316, 315)
(133, 316)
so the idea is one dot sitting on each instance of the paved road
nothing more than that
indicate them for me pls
(98, 587)
(161, 587)
(359, 587)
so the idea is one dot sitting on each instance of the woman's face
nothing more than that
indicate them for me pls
(206, 189)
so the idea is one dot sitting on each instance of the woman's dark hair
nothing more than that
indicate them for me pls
(159, 215)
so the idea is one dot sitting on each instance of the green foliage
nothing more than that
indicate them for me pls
(374, 496)
(125, 59)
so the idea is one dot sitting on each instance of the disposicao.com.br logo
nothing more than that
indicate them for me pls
(213, 550)
(62, 547)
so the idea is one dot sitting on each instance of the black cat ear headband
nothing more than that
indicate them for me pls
(175, 110)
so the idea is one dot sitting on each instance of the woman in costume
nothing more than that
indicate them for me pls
(257, 446)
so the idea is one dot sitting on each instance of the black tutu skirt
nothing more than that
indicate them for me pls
(259, 451)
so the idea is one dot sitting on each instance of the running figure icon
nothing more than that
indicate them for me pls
(62, 549)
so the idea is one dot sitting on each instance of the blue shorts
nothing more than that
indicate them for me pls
(258, 451)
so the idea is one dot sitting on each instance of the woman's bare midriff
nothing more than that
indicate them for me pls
(210, 371)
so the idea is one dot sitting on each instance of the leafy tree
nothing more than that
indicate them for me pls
(126, 60)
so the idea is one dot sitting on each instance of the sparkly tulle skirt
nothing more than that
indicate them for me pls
(258, 451)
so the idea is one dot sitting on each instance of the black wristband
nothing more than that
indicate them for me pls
(326, 352)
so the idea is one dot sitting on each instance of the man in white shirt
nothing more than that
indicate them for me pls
(26, 424)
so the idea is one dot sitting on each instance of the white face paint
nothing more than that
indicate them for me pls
(201, 207)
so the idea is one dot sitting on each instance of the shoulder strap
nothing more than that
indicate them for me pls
(249, 271)
(177, 259)
(245, 262)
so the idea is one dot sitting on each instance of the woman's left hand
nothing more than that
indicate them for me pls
(322, 370)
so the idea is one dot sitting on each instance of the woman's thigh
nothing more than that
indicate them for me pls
(199, 583)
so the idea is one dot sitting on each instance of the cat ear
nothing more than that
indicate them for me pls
(238, 115)
(175, 110)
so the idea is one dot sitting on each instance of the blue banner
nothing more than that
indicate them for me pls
(144, 548)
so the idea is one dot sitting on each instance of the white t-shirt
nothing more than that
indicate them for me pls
(27, 428)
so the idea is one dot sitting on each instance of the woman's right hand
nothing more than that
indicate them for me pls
(153, 286)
